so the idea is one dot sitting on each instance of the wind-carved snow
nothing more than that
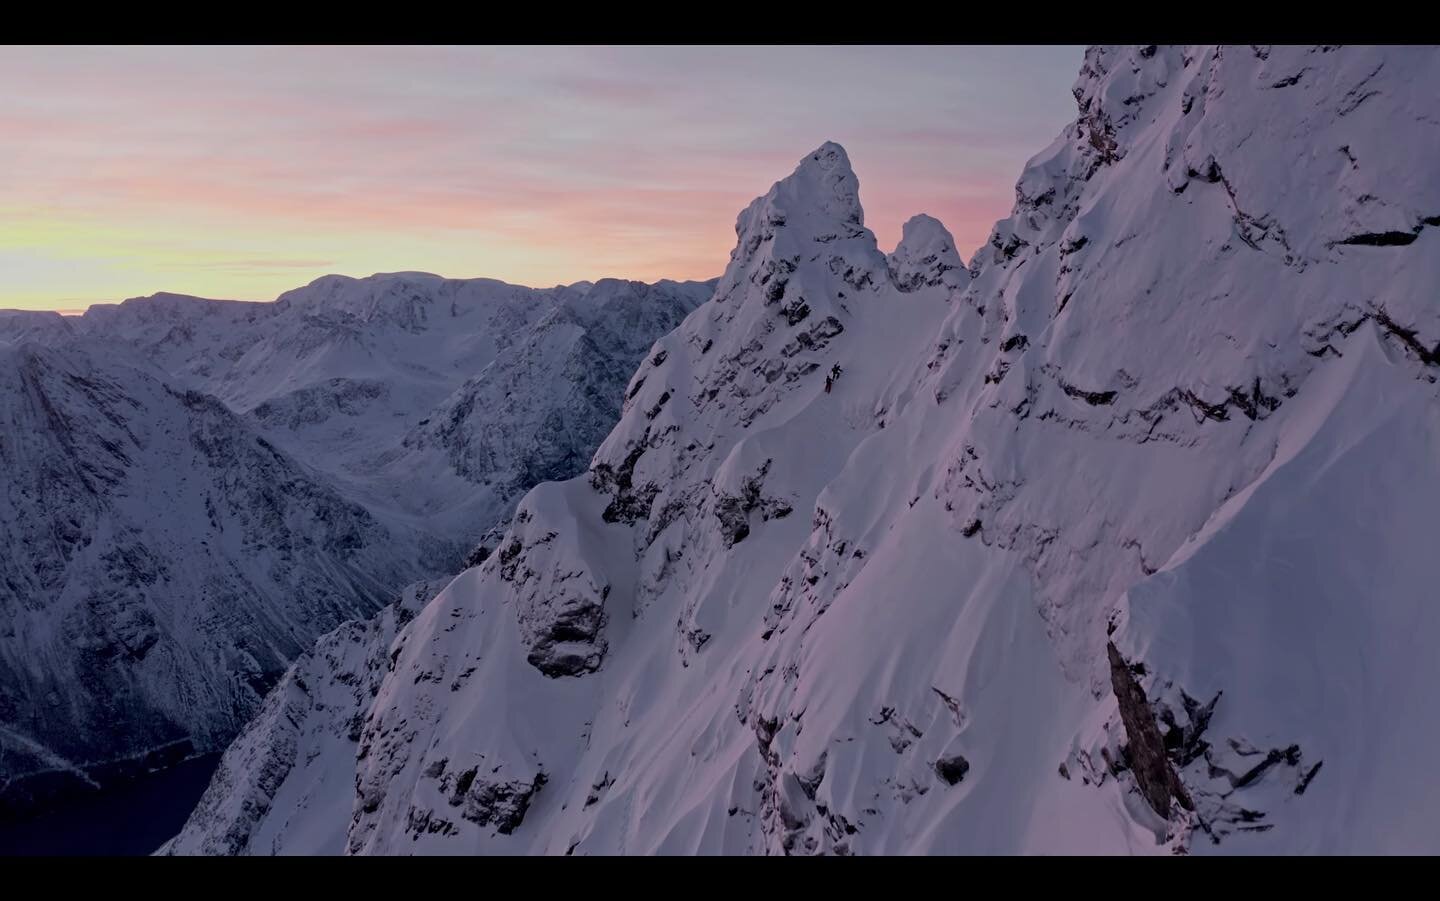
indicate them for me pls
(1114, 544)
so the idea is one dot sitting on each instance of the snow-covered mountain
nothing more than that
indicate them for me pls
(198, 489)
(163, 564)
(1116, 542)
(535, 413)
(374, 381)
(41, 326)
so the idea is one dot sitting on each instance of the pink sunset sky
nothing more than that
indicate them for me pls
(241, 172)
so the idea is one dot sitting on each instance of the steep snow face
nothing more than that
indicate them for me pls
(163, 565)
(1118, 548)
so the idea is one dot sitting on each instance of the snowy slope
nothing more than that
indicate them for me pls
(1114, 545)
(163, 565)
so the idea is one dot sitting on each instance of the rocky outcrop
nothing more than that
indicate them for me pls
(502, 805)
(1146, 750)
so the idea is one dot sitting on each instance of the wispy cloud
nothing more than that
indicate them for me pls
(251, 265)
(239, 171)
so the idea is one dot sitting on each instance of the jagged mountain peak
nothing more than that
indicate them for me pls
(926, 256)
(826, 178)
(803, 258)
(804, 271)
(820, 200)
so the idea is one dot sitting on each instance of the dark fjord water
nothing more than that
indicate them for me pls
(130, 820)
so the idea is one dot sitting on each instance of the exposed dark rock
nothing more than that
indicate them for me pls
(598, 789)
(1380, 239)
(501, 804)
(1204, 409)
(568, 643)
(796, 312)
(628, 504)
(659, 403)
(508, 559)
(1255, 404)
(1309, 775)
(1093, 398)
(734, 512)
(952, 769)
(1410, 338)
(775, 291)
(1153, 772)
